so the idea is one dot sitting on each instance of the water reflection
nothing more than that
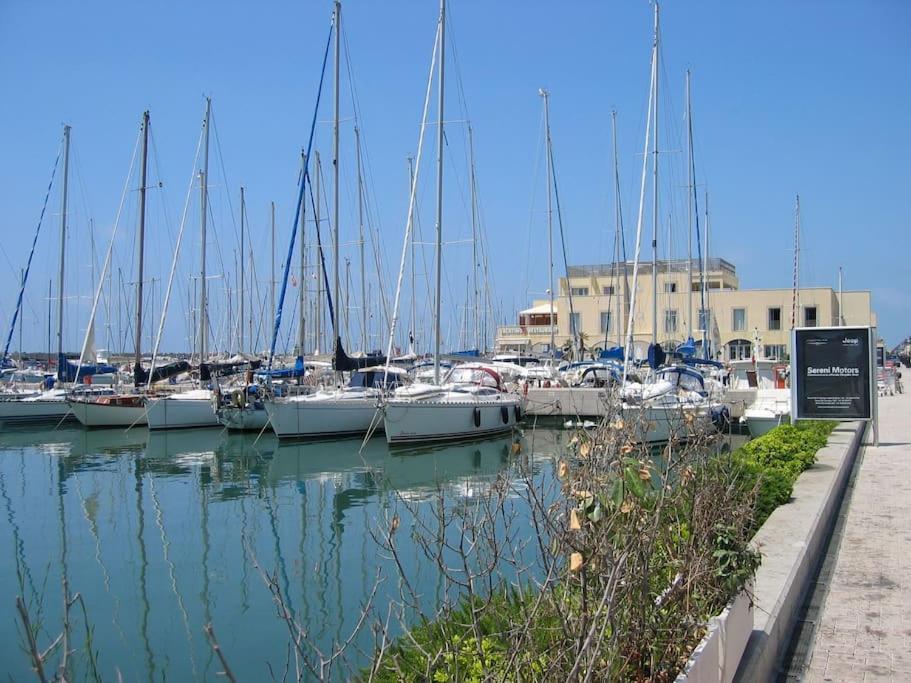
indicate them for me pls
(164, 532)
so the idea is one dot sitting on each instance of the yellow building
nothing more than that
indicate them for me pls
(733, 318)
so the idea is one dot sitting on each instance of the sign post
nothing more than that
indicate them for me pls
(833, 375)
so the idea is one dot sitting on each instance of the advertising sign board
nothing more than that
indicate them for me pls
(833, 374)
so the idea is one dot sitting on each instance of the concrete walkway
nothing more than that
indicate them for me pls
(864, 631)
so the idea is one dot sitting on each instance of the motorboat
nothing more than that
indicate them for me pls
(470, 403)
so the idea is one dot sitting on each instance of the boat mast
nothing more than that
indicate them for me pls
(242, 318)
(689, 209)
(335, 188)
(140, 244)
(318, 323)
(655, 186)
(706, 315)
(63, 216)
(302, 300)
(439, 255)
(550, 219)
(360, 221)
(474, 240)
(413, 334)
(795, 300)
(203, 211)
(841, 318)
(618, 220)
(272, 269)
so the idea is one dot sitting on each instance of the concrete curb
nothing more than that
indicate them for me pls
(791, 541)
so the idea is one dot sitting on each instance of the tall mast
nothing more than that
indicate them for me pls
(439, 255)
(618, 221)
(63, 216)
(360, 221)
(140, 245)
(795, 301)
(242, 319)
(689, 209)
(272, 269)
(203, 211)
(655, 186)
(318, 323)
(413, 279)
(335, 144)
(474, 240)
(706, 315)
(550, 219)
(302, 300)
(841, 318)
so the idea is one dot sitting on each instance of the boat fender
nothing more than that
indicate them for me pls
(504, 413)
(518, 412)
(237, 398)
(477, 417)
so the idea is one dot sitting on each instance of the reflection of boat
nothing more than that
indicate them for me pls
(411, 472)
(186, 446)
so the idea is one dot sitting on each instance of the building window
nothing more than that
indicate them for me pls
(739, 349)
(608, 290)
(705, 318)
(575, 323)
(739, 323)
(670, 321)
(776, 351)
(670, 287)
(579, 291)
(775, 318)
(606, 322)
(809, 316)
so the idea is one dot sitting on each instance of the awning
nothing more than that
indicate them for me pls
(543, 309)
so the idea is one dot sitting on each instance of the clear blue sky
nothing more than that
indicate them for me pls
(808, 97)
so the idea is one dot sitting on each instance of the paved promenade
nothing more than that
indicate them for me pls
(864, 632)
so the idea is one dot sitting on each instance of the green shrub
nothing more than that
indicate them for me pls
(774, 461)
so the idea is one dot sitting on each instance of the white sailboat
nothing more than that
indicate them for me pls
(192, 408)
(471, 401)
(125, 409)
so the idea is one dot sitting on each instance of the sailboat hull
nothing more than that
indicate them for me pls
(182, 411)
(661, 423)
(246, 419)
(95, 414)
(22, 412)
(449, 420)
(315, 418)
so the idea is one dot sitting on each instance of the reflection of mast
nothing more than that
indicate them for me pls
(22, 570)
(204, 519)
(143, 566)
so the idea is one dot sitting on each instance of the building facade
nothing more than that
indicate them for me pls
(595, 301)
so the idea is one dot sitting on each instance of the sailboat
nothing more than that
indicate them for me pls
(471, 401)
(50, 404)
(192, 408)
(123, 409)
(675, 403)
(348, 410)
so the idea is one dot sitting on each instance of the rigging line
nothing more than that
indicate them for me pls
(319, 248)
(28, 266)
(107, 258)
(183, 223)
(409, 221)
(300, 196)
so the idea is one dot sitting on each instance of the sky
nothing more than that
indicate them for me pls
(788, 97)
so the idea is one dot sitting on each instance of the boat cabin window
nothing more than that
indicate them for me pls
(374, 380)
(689, 380)
(463, 375)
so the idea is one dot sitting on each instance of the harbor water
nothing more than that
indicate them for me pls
(162, 533)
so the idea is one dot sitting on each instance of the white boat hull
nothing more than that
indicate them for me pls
(760, 425)
(92, 414)
(319, 417)
(246, 419)
(171, 412)
(661, 423)
(447, 420)
(20, 411)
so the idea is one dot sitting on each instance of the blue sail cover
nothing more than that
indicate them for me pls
(68, 372)
(470, 353)
(687, 348)
(656, 356)
(297, 370)
(614, 353)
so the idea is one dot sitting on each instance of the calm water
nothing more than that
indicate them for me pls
(159, 533)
